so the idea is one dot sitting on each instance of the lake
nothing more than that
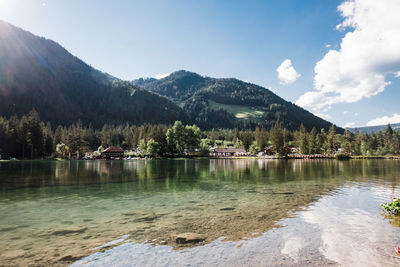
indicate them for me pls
(254, 212)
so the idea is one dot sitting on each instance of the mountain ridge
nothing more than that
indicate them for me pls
(374, 129)
(38, 73)
(194, 92)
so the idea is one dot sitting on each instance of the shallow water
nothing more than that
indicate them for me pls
(250, 212)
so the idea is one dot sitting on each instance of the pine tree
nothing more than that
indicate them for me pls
(303, 140)
(313, 142)
(331, 140)
(277, 139)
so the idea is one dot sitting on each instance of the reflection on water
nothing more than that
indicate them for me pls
(55, 212)
(353, 232)
(338, 229)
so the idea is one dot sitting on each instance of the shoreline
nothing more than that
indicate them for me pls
(233, 157)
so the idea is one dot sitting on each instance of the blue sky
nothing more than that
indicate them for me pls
(242, 39)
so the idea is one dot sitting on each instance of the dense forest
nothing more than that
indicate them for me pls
(29, 137)
(37, 73)
(194, 92)
(76, 109)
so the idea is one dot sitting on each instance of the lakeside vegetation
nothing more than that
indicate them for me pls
(29, 137)
(392, 207)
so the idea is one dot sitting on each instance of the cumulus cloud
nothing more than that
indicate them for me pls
(349, 125)
(367, 53)
(286, 73)
(160, 76)
(395, 118)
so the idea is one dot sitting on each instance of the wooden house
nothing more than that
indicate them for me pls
(112, 152)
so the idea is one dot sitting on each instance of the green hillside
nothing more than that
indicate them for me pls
(230, 103)
(254, 114)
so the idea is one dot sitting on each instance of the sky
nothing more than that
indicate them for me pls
(339, 59)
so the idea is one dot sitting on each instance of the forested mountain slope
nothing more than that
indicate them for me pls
(228, 103)
(39, 73)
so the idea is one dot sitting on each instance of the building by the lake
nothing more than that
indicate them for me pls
(112, 152)
(228, 152)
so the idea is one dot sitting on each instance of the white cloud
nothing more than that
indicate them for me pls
(345, 112)
(349, 125)
(341, 222)
(286, 72)
(44, 4)
(395, 118)
(160, 76)
(367, 53)
(356, 114)
(328, 46)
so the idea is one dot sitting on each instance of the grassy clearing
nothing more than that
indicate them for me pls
(240, 112)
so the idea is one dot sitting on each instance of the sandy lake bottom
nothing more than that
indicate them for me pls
(247, 212)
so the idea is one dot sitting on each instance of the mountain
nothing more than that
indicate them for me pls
(39, 73)
(229, 103)
(374, 129)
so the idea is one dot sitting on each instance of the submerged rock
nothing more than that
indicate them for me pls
(130, 213)
(228, 208)
(185, 238)
(283, 193)
(69, 230)
(139, 216)
(4, 228)
(146, 218)
(70, 258)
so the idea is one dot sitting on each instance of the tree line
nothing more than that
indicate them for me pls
(29, 137)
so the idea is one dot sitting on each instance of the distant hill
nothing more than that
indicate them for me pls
(38, 73)
(229, 103)
(374, 129)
